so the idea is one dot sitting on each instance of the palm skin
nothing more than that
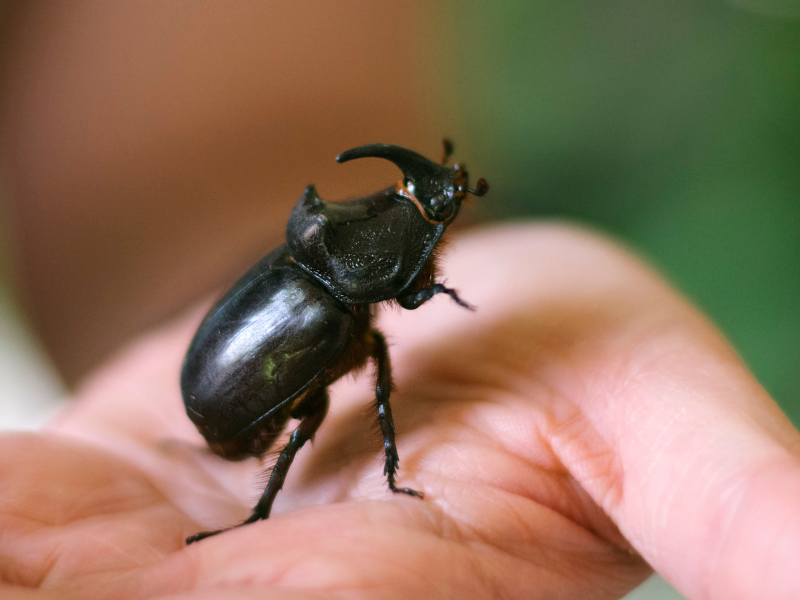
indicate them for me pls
(584, 422)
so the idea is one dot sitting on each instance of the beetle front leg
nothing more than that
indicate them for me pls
(315, 409)
(383, 387)
(414, 300)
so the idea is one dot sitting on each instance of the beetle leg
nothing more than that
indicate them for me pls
(314, 408)
(383, 387)
(414, 300)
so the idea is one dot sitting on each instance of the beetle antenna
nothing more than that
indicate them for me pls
(447, 150)
(482, 188)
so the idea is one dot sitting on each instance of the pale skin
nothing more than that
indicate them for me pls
(583, 425)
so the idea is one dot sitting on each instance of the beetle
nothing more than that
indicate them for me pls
(301, 318)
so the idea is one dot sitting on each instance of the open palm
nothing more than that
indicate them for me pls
(584, 422)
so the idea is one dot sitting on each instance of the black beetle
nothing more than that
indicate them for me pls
(301, 318)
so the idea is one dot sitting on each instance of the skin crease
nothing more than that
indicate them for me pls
(583, 422)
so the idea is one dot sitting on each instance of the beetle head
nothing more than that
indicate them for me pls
(436, 189)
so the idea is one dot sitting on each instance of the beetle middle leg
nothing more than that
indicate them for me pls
(383, 387)
(311, 410)
(413, 300)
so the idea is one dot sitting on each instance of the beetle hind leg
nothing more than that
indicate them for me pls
(383, 388)
(312, 411)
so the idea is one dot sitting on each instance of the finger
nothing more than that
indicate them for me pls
(375, 550)
(74, 517)
(637, 395)
(132, 407)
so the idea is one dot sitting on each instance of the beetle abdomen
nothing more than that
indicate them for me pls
(259, 348)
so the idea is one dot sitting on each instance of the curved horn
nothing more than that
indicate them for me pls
(436, 188)
(427, 175)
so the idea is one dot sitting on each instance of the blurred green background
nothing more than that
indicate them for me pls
(673, 125)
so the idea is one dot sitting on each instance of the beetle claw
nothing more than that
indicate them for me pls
(466, 305)
(407, 491)
(202, 535)
(459, 301)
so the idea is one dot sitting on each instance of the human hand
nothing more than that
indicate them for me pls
(584, 422)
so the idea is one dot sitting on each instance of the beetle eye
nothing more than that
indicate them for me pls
(441, 208)
(410, 186)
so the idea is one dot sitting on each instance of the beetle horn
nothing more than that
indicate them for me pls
(414, 166)
(432, 182)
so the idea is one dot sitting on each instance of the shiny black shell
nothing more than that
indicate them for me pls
(366, 250)
(260, 347)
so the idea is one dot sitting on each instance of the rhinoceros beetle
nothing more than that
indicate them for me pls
(301, 317)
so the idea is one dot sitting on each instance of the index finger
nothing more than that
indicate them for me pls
(657, 418)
